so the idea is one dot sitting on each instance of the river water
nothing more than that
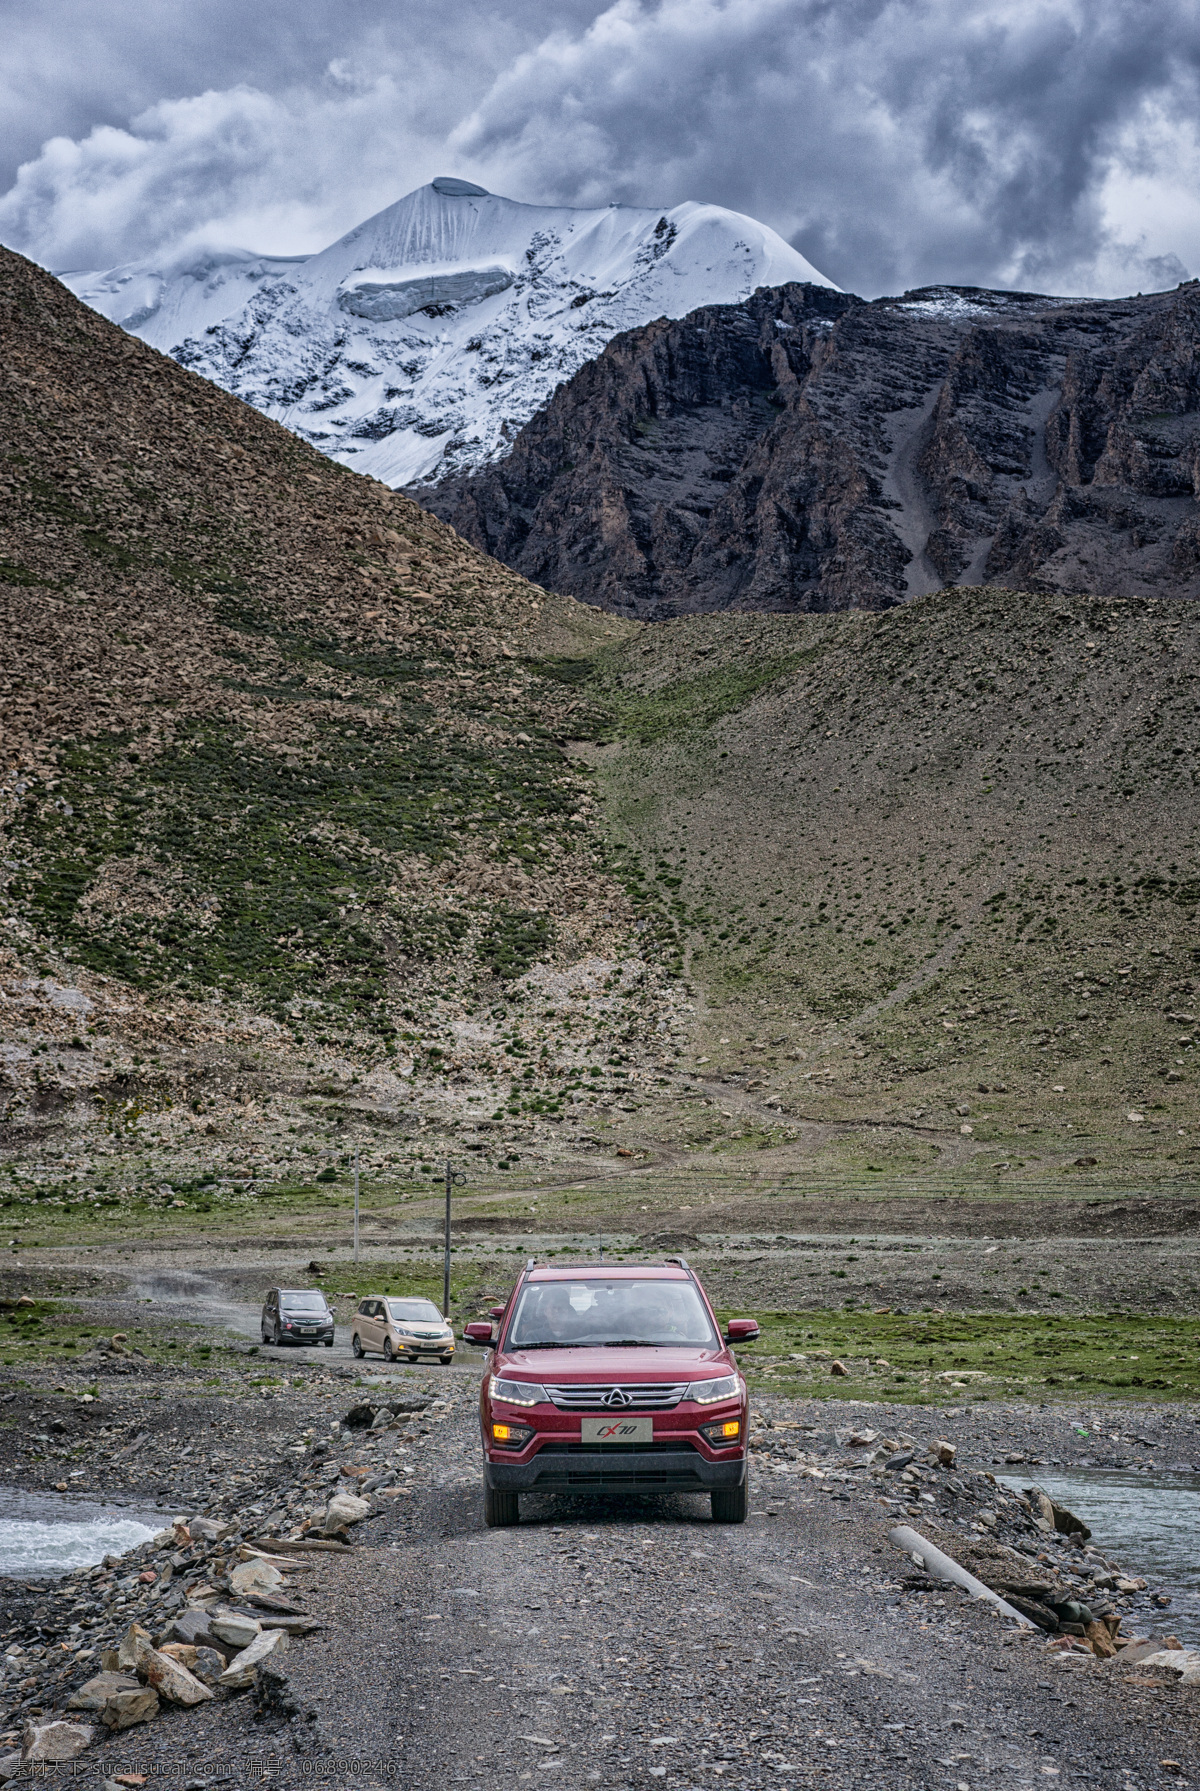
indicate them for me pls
(1149, 1523)
(43, 1535)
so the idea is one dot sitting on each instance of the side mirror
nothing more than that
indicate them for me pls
(497, 1311)
(742, 1330)
(480, 1334)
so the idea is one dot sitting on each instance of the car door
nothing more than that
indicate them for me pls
(270, 1313)
(368, 1327)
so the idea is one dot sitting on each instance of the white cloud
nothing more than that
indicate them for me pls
(1039, 143)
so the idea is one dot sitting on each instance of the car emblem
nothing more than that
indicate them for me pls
(616, 1397)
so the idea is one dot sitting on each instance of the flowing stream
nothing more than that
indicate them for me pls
(1149, 1522)
(43, 1535)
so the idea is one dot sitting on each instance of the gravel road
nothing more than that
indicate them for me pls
(624, 1642)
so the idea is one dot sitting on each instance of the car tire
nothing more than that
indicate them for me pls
(356, 1347)
(446, 1361)
(389, 1354)
(500, 1508)
(329, 1343)
(730, 1504)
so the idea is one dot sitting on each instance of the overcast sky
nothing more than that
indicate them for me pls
(1042, 144)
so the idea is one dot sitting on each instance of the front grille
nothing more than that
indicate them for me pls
(554, 1447)
(619, 1396)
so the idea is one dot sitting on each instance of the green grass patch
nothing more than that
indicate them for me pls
(952, 1359)
(220, 866)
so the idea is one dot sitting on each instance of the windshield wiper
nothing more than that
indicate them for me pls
(633, 1343)
(551, 1343)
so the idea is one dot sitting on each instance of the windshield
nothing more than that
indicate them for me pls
(598, 1311)
(423, 1312)
(303, 1302)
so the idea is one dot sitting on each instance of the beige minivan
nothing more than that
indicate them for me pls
(401, 1328)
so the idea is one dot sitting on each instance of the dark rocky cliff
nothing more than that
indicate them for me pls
(810, 451)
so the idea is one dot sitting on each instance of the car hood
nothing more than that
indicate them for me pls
(667, 1362)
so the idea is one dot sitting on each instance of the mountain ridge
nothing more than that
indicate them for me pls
(427, 334)
(809, 450)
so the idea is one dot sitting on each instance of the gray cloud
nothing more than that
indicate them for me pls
(1045, 144)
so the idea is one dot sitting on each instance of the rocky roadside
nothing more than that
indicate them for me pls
(261, 1623)
(195, 1614)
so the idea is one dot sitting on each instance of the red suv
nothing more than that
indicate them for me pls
(612, 1377)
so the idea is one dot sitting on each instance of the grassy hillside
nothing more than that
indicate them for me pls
(287, 821)
(935, 868)
(324, 836)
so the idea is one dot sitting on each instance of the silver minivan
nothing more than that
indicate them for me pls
(402, 1328)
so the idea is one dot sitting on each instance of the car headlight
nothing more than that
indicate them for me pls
(708, 1392)
(516, 1392)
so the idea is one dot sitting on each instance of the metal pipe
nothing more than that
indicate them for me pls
(356, 1205)
(943, 1568)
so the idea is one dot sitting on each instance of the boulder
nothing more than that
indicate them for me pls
(343, 1510)
(98, 1690)
(254, 1576)
(10, 1766)
(135, 1642)
(235, 1628)
(184, 1652)
(1183, 1662)
(1097, 1633)
(125, 1708)
(1142, 1647)
(208, 1529)
(244, 1670)
(171, 1680)
(54, 1742)
(190, 1627)
(208, 1666)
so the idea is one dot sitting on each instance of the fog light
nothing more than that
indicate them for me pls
(511, 1436)
(722, 1432)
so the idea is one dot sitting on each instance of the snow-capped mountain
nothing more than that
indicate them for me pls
(418, 344)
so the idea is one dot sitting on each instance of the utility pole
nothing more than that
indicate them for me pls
(356, 1203)
(453, 1179)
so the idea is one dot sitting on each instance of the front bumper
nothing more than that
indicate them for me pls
(655, 1470)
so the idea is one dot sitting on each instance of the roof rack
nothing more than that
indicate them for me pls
(681, 1260)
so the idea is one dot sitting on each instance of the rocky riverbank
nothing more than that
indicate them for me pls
(227, 1636)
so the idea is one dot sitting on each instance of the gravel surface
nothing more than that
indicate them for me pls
(604, 1641)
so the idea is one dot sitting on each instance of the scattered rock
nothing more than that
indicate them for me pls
(254, 1576)
(235, 1628)
(135, 1642)
(343, 1510)
(171, 1679)
(98, 1690)
(244, 1669)
(125, 1708)
(54, 1742)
